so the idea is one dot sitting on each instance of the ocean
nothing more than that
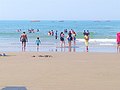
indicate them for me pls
(102, 35)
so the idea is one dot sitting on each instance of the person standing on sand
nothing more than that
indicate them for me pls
(118, 42)
(23, 39)
(86, 37)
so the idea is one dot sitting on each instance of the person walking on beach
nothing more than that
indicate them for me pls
(38, 42)
(118, 42)
(62, 41)
(23, 39)
(86, 37)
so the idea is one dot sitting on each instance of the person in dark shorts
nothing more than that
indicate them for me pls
(23, 39)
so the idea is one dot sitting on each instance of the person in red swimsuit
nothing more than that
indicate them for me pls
(118, 42)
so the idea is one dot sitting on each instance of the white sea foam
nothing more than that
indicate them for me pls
(99, 40)
(106, 44)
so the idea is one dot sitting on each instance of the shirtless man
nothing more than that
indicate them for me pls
(23, 39)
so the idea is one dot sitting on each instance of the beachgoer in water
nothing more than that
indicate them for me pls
(84, 33)
(52, 32)
(65, 30)
(49, 33)
(86, 37)
(74, 37)
(69, 37)
(88, 32)
(30, 31)
(38, 42)
(38, 30)
(118, 42)
(56, 35)
(62, 41)
(33, 31)
(18, 30)
(23, 39)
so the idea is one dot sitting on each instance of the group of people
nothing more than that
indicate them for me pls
(70, 37)
(52, 33)
(24, 39)
(29, 30)
(33, 30)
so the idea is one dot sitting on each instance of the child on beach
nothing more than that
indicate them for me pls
(38, 42)
(118, 42)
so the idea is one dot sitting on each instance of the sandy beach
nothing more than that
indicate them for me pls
(60, 71)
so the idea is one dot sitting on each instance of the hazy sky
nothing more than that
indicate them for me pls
(59, 9)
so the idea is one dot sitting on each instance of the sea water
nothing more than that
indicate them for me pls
(102, 35)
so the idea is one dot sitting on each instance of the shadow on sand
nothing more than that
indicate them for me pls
(14, 88)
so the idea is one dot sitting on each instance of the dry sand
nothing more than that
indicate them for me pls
(61, 71)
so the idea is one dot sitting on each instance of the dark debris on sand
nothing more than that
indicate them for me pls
(43, 56)
(3, 54)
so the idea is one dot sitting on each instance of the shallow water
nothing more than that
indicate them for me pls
(102, 34)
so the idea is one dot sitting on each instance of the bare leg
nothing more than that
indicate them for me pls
(69, 49)
(61, 43)
(37, 48)
(69, 44)
(119, 48)
(64, 43)
(24, 46)
(74, 49)
(86, 48)
(74, 42)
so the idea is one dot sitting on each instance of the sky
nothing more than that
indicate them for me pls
(59, 10)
